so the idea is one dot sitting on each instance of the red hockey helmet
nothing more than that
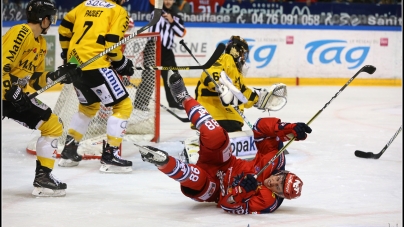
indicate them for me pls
(214, 144)
(292, 186)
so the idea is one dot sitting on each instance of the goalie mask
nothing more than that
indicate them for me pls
(237, 47)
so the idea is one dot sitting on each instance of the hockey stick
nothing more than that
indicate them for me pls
(362, 154)
(183, 119)
(216, 85)
(367, 69)
(157, 14)
(219, 50)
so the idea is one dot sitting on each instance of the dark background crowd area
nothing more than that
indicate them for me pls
(146, 6)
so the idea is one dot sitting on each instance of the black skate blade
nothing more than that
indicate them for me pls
(362, 154)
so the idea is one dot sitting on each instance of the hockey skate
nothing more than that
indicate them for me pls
(69, 156)
(177, 87)
(45, 184)
(111, 162)
(153, 155)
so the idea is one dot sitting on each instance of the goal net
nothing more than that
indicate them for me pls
(144, 91)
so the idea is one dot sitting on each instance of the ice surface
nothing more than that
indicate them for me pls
(339, 188)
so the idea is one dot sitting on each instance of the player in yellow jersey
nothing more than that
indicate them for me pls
(232, 63)
(23, 64)
(86, 31)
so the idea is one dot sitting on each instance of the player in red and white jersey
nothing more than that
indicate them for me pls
(220, 177)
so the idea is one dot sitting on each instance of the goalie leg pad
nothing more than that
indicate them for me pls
(46, 192)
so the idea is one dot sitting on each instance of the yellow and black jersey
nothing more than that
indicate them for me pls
(90, 28)
(206, 94)
(23, 59)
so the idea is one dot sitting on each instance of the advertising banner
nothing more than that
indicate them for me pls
(301, 53)
(50, 60)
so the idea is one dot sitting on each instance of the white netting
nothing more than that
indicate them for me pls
(144, 91)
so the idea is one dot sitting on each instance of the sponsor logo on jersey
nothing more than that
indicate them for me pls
(7, 68)
(74, 58)
(29, 66)
(112, 80)
(209, 192)
(17, 43)
(99, 3)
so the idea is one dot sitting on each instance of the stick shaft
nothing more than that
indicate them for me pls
(157, 14)
(216, 85)
(367, 68)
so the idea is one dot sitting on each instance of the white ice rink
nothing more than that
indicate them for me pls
(339, 188)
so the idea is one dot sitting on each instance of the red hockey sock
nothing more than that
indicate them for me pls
(176, 169)
(196, 112)
(182, 172)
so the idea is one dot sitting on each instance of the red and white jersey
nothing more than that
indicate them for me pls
(264, 201)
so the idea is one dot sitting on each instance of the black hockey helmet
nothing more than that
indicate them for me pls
(238, 48)
(37, 10)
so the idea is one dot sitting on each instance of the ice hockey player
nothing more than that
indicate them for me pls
(220, 177)
(85, 32)
(23, 64)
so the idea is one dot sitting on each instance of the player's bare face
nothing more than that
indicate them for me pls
(168, 3)
(46, 24)
(275, 184)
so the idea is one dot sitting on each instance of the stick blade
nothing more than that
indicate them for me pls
(369, 69)
(362, 154)
(215, 56)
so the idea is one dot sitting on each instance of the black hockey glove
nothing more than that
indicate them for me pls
(287, 131)
(18, 98)
(63, 55)
(124, 67)
(249, 183)
(244, 190)
(71, 71)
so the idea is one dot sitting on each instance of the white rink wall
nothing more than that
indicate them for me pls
(290, 53)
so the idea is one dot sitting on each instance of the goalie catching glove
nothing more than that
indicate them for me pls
(124, 67)
(273, 99)
(286, 131)
(229, 94)
(69, 70)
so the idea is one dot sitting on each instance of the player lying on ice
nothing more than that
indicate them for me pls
(218, 176)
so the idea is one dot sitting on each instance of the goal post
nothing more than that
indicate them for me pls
(144, 91)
